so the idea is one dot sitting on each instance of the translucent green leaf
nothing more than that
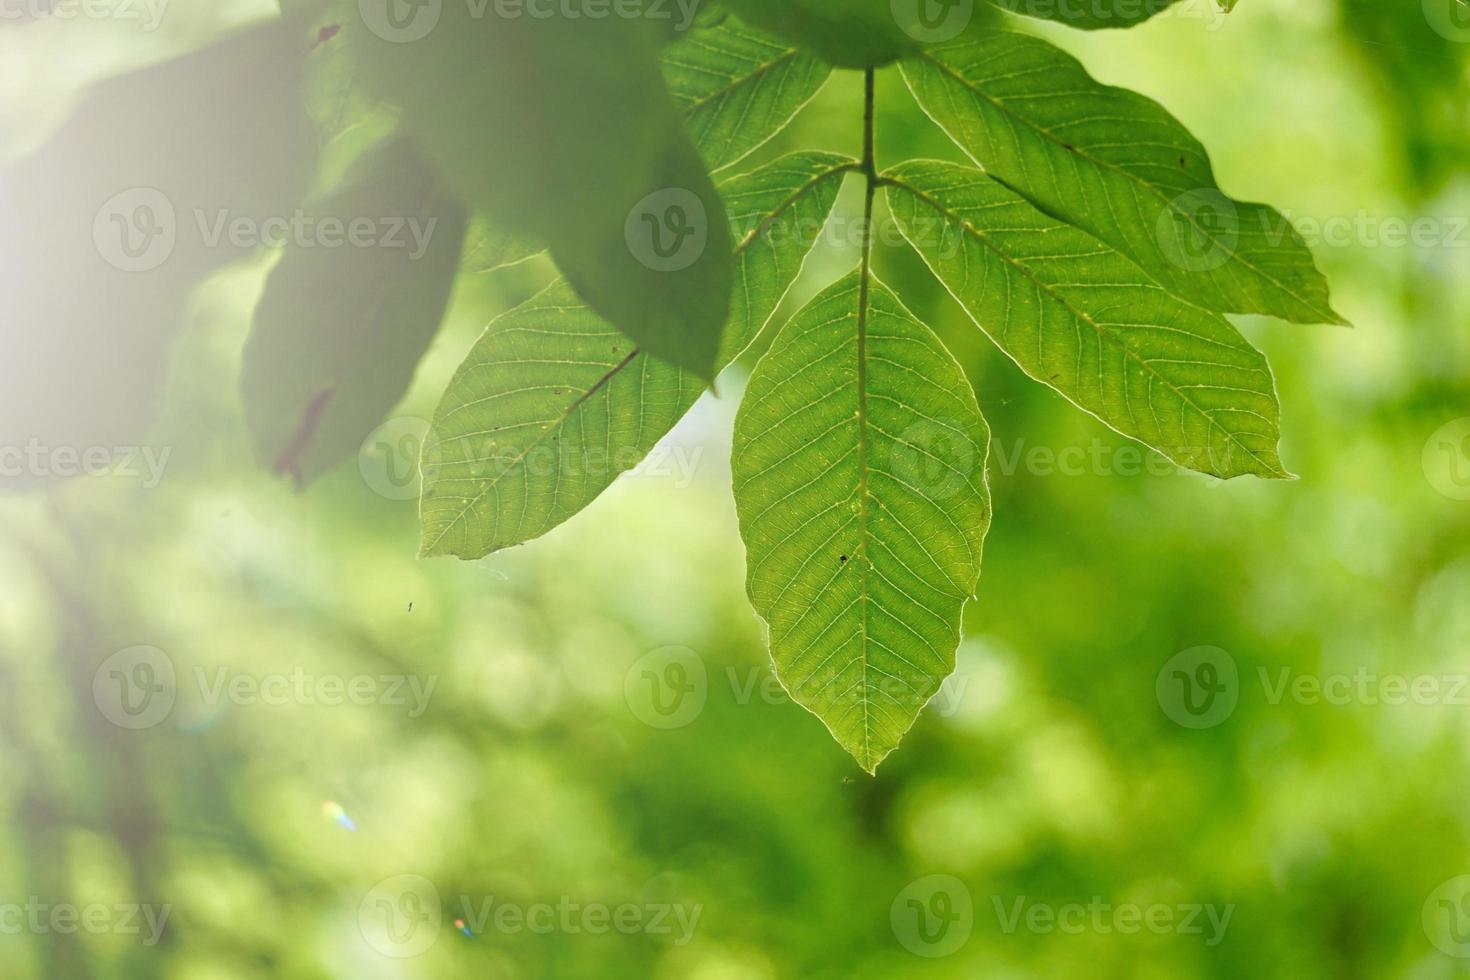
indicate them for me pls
(1079, 317)
(737, 88)
(552, 403)
(561, 130)
(859, 469)
(340, 329)
(1117, 165)
(488, 248)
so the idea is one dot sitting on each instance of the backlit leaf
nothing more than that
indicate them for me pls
(552, 403)
(737, 87)
(1079, 317)
(859, 468)
(1120, 167)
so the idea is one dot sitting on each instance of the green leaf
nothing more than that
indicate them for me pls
(859, 473)
(737, 88)
(1120, 167)
(488, 248)
(1089, 15)
(340, 330)
(1079, 317)
(562, 131)
(552, 404)
(846, 33)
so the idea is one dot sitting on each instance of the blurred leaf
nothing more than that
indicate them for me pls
(340, 330)
(1117, 165)
(1080, 318)
(551, 405)
(859, 468)
(846, 33)
(737, 88)
(109, 226)
(562, 131)
(1089, 15)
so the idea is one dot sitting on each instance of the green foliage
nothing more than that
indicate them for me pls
(1117, 165)
(1094, 248)
(1078, 316)
(600, 139)
(859, 464)
(339, 331)
(736, 87)
(552, 404)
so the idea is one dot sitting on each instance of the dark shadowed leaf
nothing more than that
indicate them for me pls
(340, 330)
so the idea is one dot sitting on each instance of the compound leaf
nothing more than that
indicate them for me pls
(1078, 316)
(737, 87)
(859, 474)
(552, 403)
(1119, 166)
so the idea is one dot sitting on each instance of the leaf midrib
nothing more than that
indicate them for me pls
(1103, 335)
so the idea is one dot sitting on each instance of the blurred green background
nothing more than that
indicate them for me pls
(597, 727)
